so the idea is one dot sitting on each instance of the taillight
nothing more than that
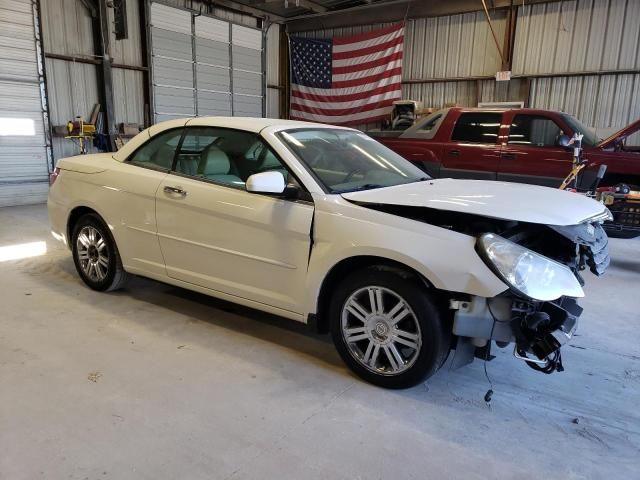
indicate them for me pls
(53, 176)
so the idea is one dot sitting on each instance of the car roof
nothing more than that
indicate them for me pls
(249, 124)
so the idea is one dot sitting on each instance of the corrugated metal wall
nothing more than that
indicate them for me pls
(577, 37)
(128, 85)
(73, 86)
(553, 38)
(452, 46)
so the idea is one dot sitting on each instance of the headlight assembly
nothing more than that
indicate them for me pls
(527, 273)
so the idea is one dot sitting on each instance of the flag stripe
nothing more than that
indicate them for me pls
(358, 67)
(358, 59)
(360, 37)
(356, 95)
(354, 47)
(355, 118)
(367, 73)
(355, 104)
(371, 79)
(348, 90)
(343, 111)
(366, 51)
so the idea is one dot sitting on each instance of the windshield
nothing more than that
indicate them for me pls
(346, 161)
(590, 139)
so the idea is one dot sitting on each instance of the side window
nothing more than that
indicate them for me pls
(159, 151)
(224, 155)
(196, 144)
(477, 127)
(534, 131)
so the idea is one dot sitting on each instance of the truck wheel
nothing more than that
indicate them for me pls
(95, 254)
(387, 329)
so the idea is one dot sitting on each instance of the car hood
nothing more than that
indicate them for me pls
(501, 200)
(620, 134)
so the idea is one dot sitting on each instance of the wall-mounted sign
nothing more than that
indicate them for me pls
(503, 76)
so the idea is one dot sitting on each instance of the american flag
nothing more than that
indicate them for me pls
(346, 80)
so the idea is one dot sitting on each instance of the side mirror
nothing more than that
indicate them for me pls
(266, 182)
(563, 141)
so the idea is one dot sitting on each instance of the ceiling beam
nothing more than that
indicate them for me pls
(308, 4)
(242, 8)
(391, 11)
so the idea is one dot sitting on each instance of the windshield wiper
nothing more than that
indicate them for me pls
(366, 186)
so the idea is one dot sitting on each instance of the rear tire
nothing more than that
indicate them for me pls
(387, 328)
(96, 255)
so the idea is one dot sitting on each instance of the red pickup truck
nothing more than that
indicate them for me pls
(514, 145)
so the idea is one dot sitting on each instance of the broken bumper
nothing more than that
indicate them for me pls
(538, 329)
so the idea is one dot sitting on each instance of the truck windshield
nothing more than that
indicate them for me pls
(590, 139)
(347, 160)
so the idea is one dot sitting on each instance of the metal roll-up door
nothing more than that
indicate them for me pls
(247, 66)
(24, 165)
(205, 66)
(213, 66)
(172, 63)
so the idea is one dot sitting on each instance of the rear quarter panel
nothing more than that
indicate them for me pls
(123, 195)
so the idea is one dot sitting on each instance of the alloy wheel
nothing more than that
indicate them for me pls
(381, 330)
(93, 255)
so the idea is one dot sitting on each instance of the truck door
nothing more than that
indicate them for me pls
(530, 153)
(473, 151)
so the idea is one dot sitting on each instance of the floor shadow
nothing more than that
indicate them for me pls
(628, 265)
(59, 275)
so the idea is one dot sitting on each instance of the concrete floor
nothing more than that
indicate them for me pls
(155, 382)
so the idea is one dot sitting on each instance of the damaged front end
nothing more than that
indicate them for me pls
(539, 313)
(538, 322)
(537, 329)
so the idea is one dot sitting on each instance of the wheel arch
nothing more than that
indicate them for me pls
(352, 264)
(74, 215)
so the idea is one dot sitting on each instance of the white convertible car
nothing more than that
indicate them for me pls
(324, 225)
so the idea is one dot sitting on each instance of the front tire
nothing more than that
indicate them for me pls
(95, 255)
(387, 328)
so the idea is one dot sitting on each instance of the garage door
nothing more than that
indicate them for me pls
(23, 154)
(204, 66)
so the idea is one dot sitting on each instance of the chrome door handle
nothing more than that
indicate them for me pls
(175, 190)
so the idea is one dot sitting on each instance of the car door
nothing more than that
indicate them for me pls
(132, 201)
(473, 150)
(215, 234)
(531, 154)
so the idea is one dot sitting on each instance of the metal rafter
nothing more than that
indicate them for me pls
(308, 4)
(245, 8)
